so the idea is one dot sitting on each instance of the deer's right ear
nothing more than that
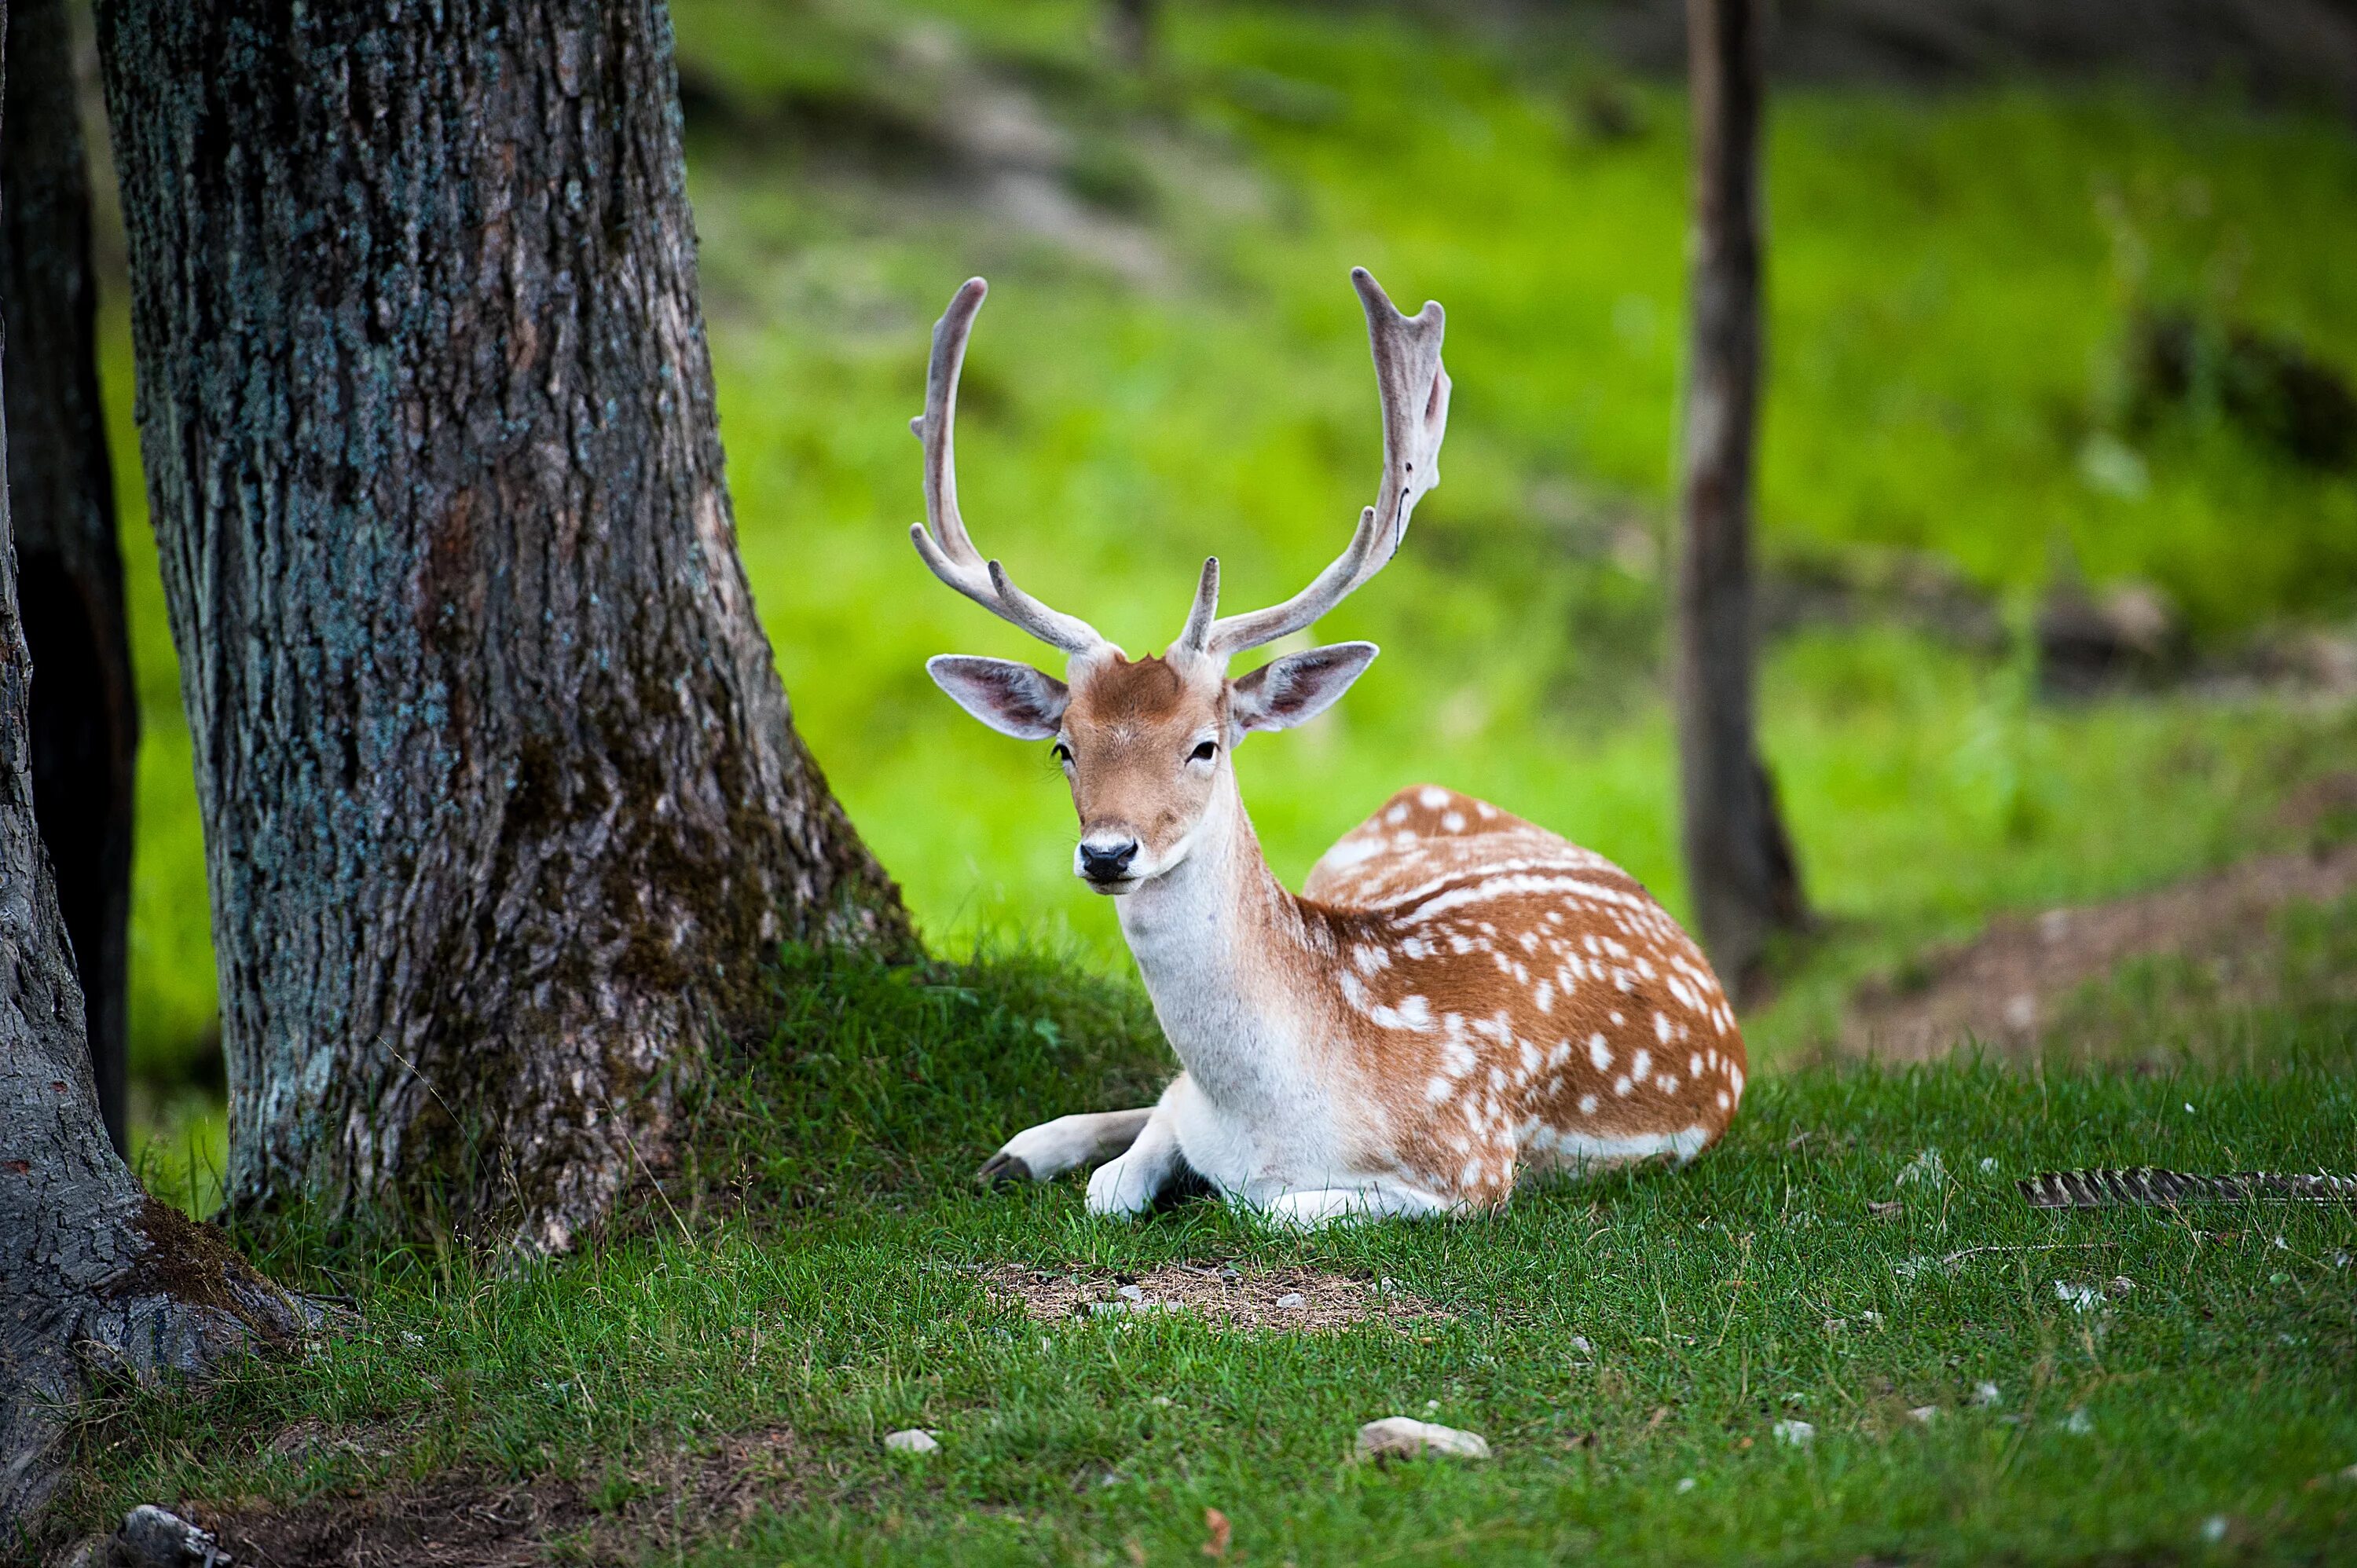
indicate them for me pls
(1013, 699)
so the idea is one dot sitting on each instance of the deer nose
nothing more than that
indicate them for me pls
(1107, 861)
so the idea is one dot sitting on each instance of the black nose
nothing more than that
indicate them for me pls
(1107, 863)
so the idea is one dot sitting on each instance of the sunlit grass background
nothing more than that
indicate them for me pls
(1171, 364)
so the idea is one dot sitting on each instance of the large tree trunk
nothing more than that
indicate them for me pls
(503, 804)
(94, 1273)
(1740, 862)
(85, 712)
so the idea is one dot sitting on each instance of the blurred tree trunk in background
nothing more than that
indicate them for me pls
(504, 802)
(1739, 861)
(92, 1270)
(1130, 27)
(85, 708)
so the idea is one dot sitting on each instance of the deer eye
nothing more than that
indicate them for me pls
(1062, 753)
(1205, 752)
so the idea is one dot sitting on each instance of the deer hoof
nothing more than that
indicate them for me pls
(1002, 1169)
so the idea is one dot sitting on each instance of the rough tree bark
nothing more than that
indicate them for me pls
(94, 1274)
(1739, 861)
(85, 708)
(503, 804)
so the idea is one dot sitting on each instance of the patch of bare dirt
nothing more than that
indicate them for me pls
(448, 1522)
(2007, 987)
(365, 1440)
(1307, 1300)
(458, 1521)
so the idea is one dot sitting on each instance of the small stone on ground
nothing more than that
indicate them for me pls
(1404, 1437)
(912, 1440)
(157, 1538)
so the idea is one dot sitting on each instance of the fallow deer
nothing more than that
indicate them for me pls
(1458, 1001)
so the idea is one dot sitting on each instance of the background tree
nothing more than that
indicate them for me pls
(1131, 27)
(503, 804)
(94, 1273)
(85, 709)
(1740, 863)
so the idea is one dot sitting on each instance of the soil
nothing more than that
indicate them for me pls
(1297, 1300)
(462, 1521)
(2006, 988)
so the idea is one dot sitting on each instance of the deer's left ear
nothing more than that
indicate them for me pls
(1296, 688)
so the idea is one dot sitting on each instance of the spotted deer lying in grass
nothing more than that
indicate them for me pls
(1458, 1001)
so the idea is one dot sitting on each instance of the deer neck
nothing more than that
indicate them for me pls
(1220, 943)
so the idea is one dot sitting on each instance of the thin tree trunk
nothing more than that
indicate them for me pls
(94, 1273)
(1739, 861)
(503, 804)
(1131, 27)
(85, 708)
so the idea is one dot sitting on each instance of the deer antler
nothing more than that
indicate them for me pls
(948, 549)
(1414, 392)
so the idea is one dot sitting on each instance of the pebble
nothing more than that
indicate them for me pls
(1404, 1437)
(1686, 1485)
(1292, 1301)
(912, 1440)
(158, 1538)
(1131, 1293)
(1797, 1433)
(1924, 1414)
(1986, 1395)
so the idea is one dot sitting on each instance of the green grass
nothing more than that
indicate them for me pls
(811, 1270)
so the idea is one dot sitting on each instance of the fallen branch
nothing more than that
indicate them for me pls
(2149, 1185)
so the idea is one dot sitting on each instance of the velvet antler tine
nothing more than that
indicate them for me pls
(947, 549)
(1196, 636)
(1413, 392)
(937, 426)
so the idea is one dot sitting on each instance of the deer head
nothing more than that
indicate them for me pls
(1145, 743)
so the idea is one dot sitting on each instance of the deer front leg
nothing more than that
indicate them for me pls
(1130, 1184)
(1048, 1151)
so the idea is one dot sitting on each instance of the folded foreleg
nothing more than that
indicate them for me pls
(1048, 1151)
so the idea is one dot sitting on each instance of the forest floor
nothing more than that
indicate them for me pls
(1840, 1335)
(2046, 982)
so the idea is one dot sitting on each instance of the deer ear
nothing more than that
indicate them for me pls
(1298, 687)
(1013, 699)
